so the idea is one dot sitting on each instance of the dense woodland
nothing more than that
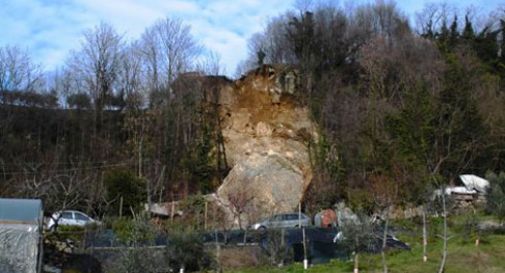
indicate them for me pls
(403, 105)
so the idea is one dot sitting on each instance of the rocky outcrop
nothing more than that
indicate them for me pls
(266, 134)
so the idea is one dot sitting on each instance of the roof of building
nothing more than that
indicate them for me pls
(20, 210)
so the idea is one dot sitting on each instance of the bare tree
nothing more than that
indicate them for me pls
(95, 68)
(17, 70)
(168, 49)
(239, 202)
(385, 192)
(129, 82)
(96, 64)
(273, 42)
(431, 18)
(210, 64)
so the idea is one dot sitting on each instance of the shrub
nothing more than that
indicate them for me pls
(358, 235)
(133, 232)
(138, 234)
(496, 195)
(277, 247)
(186, 250)
(123, 183)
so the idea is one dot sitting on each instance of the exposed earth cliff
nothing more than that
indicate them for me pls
(266, 135)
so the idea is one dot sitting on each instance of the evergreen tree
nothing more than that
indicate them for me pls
(429, 33)
(459, 124)
(453, 33)
(502, 44)
(486, 46)
(468, 33)
(496, 195)
(443, 35)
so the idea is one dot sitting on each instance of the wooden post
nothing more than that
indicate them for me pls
(356, 263)
(172, 209)
(205, 216)
(477, 240)
(244, 240)
(218, 250)
(299, 214)
(172, 212)
(384, 242)
(425, 236)
(121, 207)
(283, 231)
(444, 251)
(282, 247)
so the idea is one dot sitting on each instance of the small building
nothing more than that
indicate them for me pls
(469, 190)
(21, 235)
(164, 210)
(473, 182)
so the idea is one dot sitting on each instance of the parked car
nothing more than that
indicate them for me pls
(285, 220)
(70, 218)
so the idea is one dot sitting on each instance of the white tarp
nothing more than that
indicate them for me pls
(20, 235)
(459, 190)
(19, 248)
(473, 182)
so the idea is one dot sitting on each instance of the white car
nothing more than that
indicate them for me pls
(70, 218)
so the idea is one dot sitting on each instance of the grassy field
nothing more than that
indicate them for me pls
(464, 256)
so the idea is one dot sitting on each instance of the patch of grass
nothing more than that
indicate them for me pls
(463, 257)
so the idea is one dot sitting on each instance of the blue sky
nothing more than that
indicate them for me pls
(51, 28)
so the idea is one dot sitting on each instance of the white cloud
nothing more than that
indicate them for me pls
(50, 29)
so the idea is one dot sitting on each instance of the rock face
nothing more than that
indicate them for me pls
(266, 135)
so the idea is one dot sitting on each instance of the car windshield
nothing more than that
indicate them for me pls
(292, 217)
(286, 217)
(277, 218)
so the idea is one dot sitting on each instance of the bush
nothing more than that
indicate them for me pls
(123, 183)
(133, 232)
(186, 250)
(359, 235)
(496, 195)
(138, 234)
(277, 247)
(79, 101)
(74, 234)
(194, 208)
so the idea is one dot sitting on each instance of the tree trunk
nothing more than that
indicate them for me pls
(425, 237)
(205, 216)
(239, 221)
(477, 240)
(356, 263)
(218, 251)
(282, 248)
(121, 207)
(299, 215)
(384, 242)
(444, 251)
(305, 260)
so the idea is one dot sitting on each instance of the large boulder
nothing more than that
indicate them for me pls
(266, 134)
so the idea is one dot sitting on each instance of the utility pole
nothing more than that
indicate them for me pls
(299, 214)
